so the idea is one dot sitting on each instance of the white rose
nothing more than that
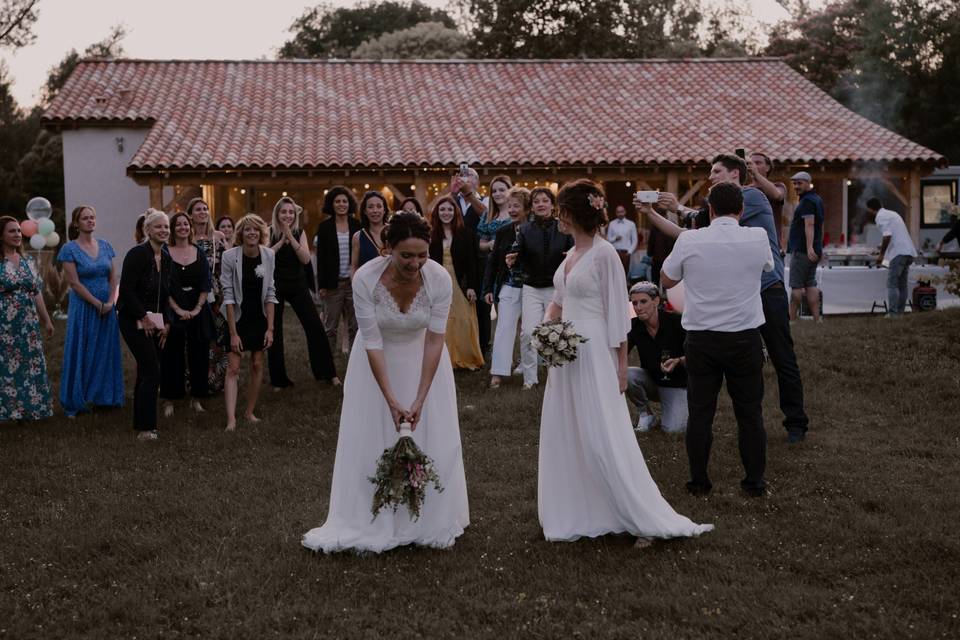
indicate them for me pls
(553, 337)
(562, 345)
(548, 351)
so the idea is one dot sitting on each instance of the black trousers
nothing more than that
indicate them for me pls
(776, 335)
(318, 347)
(713, 356)
(146, 351)
(185, 349)
(483, 325)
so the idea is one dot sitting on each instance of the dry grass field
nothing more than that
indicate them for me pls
(197, 534)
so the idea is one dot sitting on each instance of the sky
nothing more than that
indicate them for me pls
(197, 29)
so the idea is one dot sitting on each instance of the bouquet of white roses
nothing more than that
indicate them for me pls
(403, 474)
(556, 342)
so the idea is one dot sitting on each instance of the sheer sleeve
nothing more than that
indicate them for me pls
(441, 294)
(613, 288)
(366, 309)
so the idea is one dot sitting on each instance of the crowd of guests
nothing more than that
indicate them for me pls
(194, 296)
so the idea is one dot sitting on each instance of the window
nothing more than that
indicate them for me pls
(939, 202)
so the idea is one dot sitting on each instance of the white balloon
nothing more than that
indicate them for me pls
(37, 242)
(45, 226)
(675, 296)
(39, 208)
(53, 239)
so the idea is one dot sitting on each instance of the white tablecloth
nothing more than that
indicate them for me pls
(854, 289)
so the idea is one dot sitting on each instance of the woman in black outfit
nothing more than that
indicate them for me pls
(144, 290)
(289, 244)
(191, 326)
(333, 244)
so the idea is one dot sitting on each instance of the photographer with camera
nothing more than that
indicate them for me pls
(757, 212)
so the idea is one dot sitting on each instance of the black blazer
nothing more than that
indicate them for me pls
(328, 251)
(496, 269)
(464, 250)
(140, 288)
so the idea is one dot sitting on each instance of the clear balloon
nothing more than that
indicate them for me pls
(37, 242)
(45, 226)
(675, 296)
(28, 228)
(39, 208)
(53, 239)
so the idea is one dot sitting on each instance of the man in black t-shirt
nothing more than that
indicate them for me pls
(662, 375)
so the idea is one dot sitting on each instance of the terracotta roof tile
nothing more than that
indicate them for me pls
(326, 114)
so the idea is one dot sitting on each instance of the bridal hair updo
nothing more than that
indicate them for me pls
(582, 202)
(404, 226)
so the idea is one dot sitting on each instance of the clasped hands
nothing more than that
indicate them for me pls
(400, 414)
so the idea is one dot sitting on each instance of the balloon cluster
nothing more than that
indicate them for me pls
(39, 227)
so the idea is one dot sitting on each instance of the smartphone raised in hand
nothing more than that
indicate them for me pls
(464, 169)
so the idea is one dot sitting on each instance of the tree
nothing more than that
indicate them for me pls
(583, 28)
(327, 32)
(17, 18)
(110, 47)
(896, 62)
(427, 40)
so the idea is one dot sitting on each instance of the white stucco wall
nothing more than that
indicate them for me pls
(95, 173)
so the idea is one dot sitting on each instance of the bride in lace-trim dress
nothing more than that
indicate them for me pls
(399, 369)
(593, 479)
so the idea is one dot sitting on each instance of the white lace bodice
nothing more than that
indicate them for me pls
(394, 322)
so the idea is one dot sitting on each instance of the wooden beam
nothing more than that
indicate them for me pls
(397, 194)
(692, 191)
(156, 194)
(915, 208)
(673, 181)
(896, 191)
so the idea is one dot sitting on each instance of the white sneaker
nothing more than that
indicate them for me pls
(517, 371)
(645, 422)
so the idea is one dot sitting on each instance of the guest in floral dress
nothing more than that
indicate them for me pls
(24, 389)
(92, 372)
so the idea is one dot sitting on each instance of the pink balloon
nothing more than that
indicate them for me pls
(675, 296)
(28, 228)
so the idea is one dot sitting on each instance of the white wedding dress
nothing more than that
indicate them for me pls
(593, 479)
(366, 427)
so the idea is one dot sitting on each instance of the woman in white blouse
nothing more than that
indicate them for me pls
(399, 371)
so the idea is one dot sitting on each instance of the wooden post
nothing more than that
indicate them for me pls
(673, 181)
(915, 210)
(156, 195)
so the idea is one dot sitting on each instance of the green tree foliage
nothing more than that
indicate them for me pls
(583, 28)
(32, 162)
(327, 32)
(427, 40)
(896, 62)
(17, 18)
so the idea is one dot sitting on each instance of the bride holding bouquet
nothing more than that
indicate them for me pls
(593, 479)
(399, 372)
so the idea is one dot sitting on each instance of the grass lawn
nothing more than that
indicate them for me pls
(198, 534)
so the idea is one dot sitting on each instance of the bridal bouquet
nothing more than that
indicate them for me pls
(556, 342)
(403, 474)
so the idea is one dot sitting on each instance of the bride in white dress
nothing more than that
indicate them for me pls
(593, 479)
(399, 370)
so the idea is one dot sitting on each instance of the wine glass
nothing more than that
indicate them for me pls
(664, 356)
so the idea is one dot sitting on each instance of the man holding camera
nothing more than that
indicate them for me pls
(757, 212)
(463, 188)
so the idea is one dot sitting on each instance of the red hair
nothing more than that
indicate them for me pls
(436, 226)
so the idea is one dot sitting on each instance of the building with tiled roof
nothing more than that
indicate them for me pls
(139, 132)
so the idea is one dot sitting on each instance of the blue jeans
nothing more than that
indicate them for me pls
(897, 275)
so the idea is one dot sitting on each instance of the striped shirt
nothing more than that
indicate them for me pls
(343, 240)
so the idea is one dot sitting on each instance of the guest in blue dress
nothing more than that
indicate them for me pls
(92, 372)
(24, 389)
(368, 242)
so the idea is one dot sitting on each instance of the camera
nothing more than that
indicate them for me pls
(741, 153)
(646, 197)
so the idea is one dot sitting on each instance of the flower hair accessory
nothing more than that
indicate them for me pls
(596, 201)
(260, 271)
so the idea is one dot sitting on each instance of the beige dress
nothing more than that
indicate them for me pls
(463, 334)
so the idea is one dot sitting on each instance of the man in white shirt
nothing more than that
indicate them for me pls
(622, 234)
(897, 251)
(720, 266)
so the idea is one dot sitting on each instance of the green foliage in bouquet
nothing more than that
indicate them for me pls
(403, 474)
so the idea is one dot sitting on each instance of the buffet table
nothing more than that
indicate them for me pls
(855, 289)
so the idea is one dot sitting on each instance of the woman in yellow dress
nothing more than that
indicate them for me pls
(454, 245)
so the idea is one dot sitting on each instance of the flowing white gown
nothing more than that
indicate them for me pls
(593, 479)
(366, 428)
